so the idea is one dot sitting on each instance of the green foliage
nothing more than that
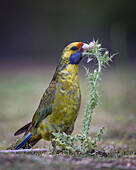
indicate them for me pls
(82, 143)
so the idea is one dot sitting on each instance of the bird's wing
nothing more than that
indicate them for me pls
(23, 129)
(46, 104)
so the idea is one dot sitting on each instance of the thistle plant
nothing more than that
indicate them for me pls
(82, 143)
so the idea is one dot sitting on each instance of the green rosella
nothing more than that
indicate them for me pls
(60, 103)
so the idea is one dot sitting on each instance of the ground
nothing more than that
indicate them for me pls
(20, 92)
(63, 162)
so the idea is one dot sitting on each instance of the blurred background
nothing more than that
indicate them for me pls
(32, 36)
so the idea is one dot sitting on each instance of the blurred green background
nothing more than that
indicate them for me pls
(32, 37)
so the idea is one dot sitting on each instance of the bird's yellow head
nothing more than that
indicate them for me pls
(72, 54)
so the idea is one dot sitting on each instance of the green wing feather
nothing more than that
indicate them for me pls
(46, 104)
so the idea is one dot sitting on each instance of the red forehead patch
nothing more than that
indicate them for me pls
(79, 44)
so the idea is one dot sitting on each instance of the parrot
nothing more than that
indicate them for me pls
(60, 103)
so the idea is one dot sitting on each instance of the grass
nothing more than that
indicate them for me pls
(21, 90)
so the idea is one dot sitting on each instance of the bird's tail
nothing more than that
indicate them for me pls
(25, 142)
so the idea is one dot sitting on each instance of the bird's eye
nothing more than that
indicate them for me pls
(74, 48)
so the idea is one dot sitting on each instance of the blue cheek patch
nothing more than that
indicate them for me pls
(75, 58)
